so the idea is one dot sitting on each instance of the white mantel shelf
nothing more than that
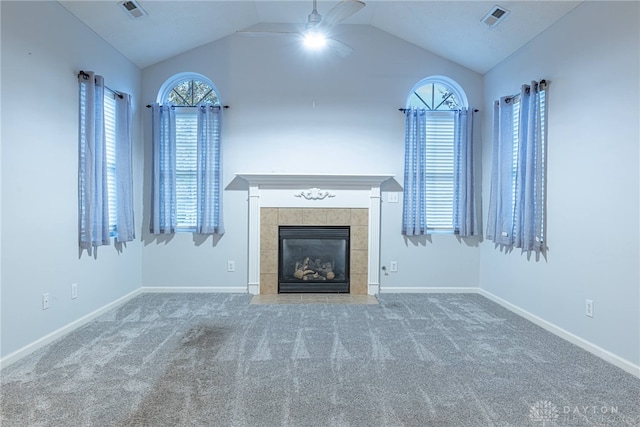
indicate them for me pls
(291, 180)
(341, 190)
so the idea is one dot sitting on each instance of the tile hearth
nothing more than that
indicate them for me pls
(264, 299)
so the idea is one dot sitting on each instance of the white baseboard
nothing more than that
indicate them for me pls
(195, 289)
(30, 348)
(427, 290)
(618, 361)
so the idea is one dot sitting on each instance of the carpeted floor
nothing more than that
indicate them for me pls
(411, 360)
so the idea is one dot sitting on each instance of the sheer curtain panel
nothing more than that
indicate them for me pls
(501, 200)
(93, 204)
(209, 203)
(125, 230)
(414, 222)
(465, 203)
(163, 183)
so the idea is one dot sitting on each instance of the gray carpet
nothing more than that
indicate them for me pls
(412, 360)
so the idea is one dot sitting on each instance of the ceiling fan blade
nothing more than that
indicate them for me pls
(269, 33)
(339, 48)
(340, 12)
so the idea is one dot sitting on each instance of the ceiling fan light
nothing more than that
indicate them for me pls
(314, 40)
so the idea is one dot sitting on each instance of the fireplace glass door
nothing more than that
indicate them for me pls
(313, 259)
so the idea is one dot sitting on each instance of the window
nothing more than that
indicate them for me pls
(186, 93)
(435, 95)
(190, 91)
(437, 133)
(518, 177)
(193, 150)
(105, 184)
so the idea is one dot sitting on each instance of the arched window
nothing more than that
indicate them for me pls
(438, 161)
(188, 90)
(437, 93)
(189, 105)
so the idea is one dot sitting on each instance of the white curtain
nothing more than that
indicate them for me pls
(163, 183)
(517, 200)
(93, 204)
(465, 204)
(209, 203)
(125, 230)
(414, 220)
(500, 218)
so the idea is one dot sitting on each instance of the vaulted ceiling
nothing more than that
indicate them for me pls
(451, 29)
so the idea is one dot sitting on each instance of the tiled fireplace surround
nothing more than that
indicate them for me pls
(296, 199)
(356, 219)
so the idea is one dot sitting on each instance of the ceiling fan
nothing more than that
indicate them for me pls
(316, 32)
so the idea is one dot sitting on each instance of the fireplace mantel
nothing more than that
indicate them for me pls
(286, 190)
(292, 180)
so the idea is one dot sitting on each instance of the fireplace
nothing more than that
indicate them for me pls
(291, 199)
(313, 259)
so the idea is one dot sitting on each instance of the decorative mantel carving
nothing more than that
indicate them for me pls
(315, 194)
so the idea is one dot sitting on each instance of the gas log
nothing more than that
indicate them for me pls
(317, 269)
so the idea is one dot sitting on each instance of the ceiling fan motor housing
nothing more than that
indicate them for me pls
(314, 19)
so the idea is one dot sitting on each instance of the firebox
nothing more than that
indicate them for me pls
(313, 259)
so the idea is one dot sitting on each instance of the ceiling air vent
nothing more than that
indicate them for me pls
(133, 9)
(495, 16)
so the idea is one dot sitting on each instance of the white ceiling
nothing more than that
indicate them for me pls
(451, 29)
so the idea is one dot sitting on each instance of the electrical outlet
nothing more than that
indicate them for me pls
(392, 197)
(45, 301)
(589, 308)
(393, 266)
(231, 266)
(74, 290)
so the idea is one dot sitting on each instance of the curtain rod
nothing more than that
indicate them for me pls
(86, 76)
(192, 106)
(542, 83)
(404, 110)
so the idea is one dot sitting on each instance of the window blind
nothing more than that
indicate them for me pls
(515, 160)
(110, 158)
(186, 168)
(439, 170)
(543, 154)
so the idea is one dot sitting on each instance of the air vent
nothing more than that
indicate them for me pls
(133, 9)
(495, 16)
